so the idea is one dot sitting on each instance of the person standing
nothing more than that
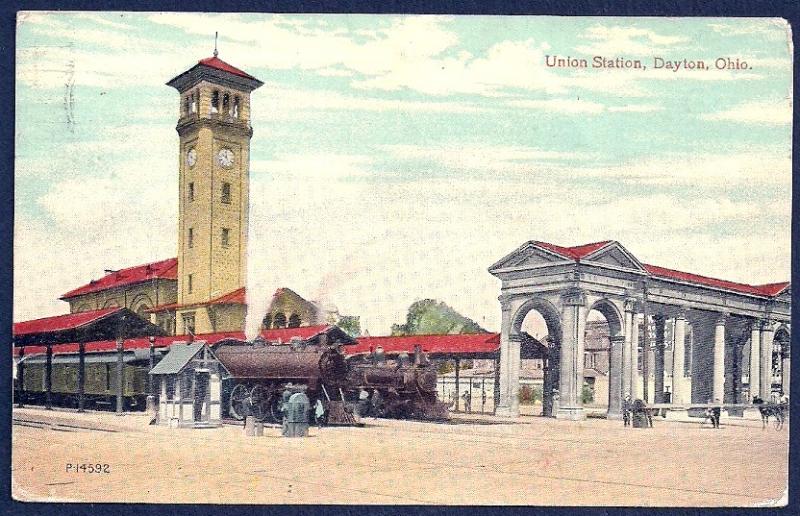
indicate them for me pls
(319, 413)
(626, 410)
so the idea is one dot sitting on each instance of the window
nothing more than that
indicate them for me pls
(226, 193)
(235, 110)
(108, 377)
(194, 102)
(190, 241)
(215, 101)
(267, 322)
(186, 105)
(191, 192)
(170, 387)
(226, 103)
(294, 321)
(189, 283)
(188, 320)
(279, 321)
(226, 233)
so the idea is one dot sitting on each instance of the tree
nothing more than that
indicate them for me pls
(350, 324)
(429, 316)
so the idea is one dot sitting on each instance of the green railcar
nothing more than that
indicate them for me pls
(100, 380)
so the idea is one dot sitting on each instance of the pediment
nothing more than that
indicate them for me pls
(616, 256)
(786, 295)
(528, 256)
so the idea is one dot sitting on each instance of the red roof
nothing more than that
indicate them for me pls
(61, 322)
(219, 64)
(282, 334)
(576, 252)
(579, 251)
(165, 269)
(237, 297)
(769, 290)
(773, 289)
(444, 344)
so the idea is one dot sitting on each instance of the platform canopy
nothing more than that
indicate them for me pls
(93, 325)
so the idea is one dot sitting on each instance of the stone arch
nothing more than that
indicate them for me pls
(83, 308)
(111, 303)
(551, 359)
(605, 381)
(549, 313)
(613, 316)
(781, 351)
(141, 304)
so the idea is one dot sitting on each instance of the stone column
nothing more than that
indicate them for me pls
(509, 356)
(571, 378)
(615, 377)
(766, 337)
(658, 383)
(755, 368)
(678, 363)
(719, 359)
(627, 373)
(635, 357)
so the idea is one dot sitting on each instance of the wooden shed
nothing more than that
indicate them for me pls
(190, 378)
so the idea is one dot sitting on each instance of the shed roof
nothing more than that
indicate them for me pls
(179, 355)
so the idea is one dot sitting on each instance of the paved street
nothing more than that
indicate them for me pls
(532, 461)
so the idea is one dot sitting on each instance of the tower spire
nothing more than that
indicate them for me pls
(216, 33)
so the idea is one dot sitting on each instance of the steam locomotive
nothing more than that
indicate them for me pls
(348, 388)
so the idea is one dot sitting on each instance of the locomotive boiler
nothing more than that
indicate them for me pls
(260, 372)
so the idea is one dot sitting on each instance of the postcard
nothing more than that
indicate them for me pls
(402, 259)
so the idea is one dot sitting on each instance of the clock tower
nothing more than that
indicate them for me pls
(213, 173)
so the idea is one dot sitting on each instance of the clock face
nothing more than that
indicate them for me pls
(225, 157)
(191, 157)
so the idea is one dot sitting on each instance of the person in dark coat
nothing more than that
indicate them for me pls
(247, 409)
(627, 407)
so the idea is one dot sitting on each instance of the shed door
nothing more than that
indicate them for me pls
(201, 395)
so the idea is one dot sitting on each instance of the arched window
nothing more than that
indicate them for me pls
(267, 322)
(215, 101)
(83, 308)
(279, 321)
(142, 311)
(294, 321)
(186, 105)
(226, 103)
(235, 111)
(195, 98)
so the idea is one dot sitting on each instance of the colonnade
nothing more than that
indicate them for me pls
(713, 338)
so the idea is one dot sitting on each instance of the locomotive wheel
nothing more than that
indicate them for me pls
(238, 395)
(260, 399)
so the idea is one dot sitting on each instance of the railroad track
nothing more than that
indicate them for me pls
(58, 426)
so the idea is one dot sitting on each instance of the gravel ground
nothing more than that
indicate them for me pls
(528, 461)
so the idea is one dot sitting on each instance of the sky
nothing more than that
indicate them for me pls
(395, 158)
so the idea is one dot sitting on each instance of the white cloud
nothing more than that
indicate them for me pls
(771, 28)
(635, 108)
(769, 113)
(627, 41)
(289, 103)
(568, 106)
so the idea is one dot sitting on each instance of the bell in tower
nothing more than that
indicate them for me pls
(214, 131)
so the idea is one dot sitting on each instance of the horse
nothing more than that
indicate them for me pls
(770, 410)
